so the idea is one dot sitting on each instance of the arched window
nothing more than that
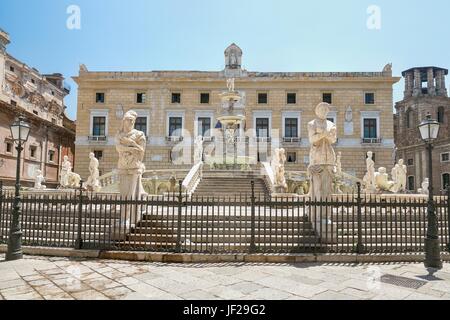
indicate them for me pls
(445, 180)
(411, 183)
(441, 114)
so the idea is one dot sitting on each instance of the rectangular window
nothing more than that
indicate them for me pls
(410, 162)
(51, 156)
(291, 98)
(262, 98)
(204, 127)
(100, 97)
(33, 81)
(9, 147)
(204, 98)
(291, 128)
(262, 127)
(370, 129)
(369, 98)
(445, 157)
(11, 68)
(140, 97)
(99, 126)
(330, 119)
(33, 150)
(98, 154)
(176, 97)
(175, 126)
(291, 157)
(141, 124)
(327, 97)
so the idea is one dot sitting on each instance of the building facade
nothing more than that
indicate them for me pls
(425, 92)
(40, 99)
(176, 106)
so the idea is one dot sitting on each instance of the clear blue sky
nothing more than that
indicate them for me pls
(283, 35)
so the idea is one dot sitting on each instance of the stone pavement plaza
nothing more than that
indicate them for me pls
(64, 278)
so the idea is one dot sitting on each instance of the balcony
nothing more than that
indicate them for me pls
(208, 139)
(371, 140)
(98, 139)
(294, 140)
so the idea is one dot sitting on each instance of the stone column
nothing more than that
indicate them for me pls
(430, 79)
(409, 82)
(417, 83)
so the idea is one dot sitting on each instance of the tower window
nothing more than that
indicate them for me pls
(440, 114)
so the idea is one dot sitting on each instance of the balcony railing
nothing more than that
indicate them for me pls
(263, 139)
(371, 140)
(208, 139)
(174, 138)
(292, 139)
(97, 138)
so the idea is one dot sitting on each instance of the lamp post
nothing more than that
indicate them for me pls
(20, 130)
(429, 130)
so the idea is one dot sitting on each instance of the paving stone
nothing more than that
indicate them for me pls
(38, 283)
(361, 294)
(127, 280)
(117, 292)
(198, 295)
(58, 296)
(269, 294)
(225, 292)
(420, 296)
(89, 295)
(12, 283)
(333, 295)
(246, 287)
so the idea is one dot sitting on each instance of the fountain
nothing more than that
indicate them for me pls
(231, 119)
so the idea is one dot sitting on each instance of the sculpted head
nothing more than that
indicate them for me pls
(400, 162)
(66, 158)
(369, 154)
(322, 110)
(128, 121)
(91, 155)
(382, 170)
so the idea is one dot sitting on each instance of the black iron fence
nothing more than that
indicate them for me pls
(235, 224)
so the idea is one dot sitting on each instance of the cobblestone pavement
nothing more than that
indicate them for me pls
(63, 278)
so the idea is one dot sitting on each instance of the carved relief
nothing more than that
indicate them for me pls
(36, 99)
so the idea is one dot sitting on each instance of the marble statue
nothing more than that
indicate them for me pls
(369, 178)
(338, 163)
(198, 150)
(399, 173)
(66, 169)
(382, 180)
(230, 84)
(38, 180)
(130, 144)
(93, 181)
(279, 171)
(425, 187)
(74, 180)
(322, 136)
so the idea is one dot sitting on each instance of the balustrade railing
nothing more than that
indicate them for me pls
(177, 222)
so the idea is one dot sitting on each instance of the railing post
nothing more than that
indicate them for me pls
(359, 246)
(180, 204)
(79, 241)
(448, 217)
(252, 224)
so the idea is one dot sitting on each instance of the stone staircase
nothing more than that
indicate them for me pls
(219, 183)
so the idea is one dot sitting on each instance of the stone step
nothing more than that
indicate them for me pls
(221, 231)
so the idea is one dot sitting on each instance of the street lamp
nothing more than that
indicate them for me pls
(429, 130)
(20, 130)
